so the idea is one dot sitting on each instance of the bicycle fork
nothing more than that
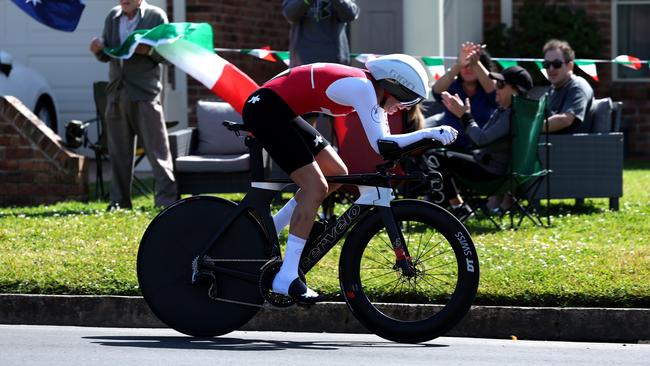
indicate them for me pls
(380, 197)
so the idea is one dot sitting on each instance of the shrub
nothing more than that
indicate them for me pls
(536, 23)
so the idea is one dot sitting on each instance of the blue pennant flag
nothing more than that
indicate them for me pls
(59, 14)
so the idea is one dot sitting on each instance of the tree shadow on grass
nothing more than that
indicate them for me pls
(74, 212)
(481, 224)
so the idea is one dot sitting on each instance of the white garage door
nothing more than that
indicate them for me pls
(62, 57)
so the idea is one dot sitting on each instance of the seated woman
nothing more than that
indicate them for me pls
(469, 78)
(491, 158)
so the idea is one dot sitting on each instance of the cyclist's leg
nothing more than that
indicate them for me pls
(293, 150)
(313, 189)
(331, 163)
(327, 159)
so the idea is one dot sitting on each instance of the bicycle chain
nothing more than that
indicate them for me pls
(212, 289)
(233, 301)
(211, 260)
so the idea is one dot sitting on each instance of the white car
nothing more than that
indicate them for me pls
(30, 87)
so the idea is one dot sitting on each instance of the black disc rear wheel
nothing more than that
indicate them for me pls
(168, 248)
(444, 280)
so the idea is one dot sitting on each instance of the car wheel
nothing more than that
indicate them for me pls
(45, 112)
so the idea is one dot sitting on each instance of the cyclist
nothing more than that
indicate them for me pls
(389, 84)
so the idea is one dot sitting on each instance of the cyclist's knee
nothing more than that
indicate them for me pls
(315, 192)
(318, 192)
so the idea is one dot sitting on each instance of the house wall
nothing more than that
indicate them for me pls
(635, 95)
(239, 24)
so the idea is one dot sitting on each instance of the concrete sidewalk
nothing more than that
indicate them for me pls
(568, 324)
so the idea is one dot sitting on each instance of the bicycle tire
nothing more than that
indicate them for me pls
(174, 238)
(447, 273)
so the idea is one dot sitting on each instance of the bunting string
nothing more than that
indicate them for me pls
(435, 64)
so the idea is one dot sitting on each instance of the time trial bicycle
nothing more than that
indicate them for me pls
(205, 264)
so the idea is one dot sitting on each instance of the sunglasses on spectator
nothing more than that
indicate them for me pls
(555, 63)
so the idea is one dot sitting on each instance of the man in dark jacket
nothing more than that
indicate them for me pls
(318, 30)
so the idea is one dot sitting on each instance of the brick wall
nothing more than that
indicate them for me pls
(635, 96)
(491, 13)
(34, 167)
(240, 24)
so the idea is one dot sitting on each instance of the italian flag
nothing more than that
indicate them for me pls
(541, 68)
(435, 65)
(588, 67)
(364, 57)
(263, 53)
(506, 63)
(628, 61)
(189, 46)
(284, 56)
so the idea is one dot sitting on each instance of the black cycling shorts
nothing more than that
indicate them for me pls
(290, 140)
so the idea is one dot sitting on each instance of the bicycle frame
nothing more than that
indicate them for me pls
(375, 194)
(257, 202)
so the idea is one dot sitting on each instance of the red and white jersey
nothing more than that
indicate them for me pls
(305, 88)
(337, 90)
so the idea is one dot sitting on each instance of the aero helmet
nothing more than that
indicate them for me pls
(402, 76)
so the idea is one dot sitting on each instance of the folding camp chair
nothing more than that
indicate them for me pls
(99, 146)
(525, 172)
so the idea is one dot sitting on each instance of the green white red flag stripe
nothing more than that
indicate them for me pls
(189, 46)
(541, 68)
(284, 56)
(628, 61)
(263, 53)
(435, 66)
(588, 67)
(365, 57)
(506, 63)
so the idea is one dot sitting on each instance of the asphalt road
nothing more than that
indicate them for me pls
(58, 345)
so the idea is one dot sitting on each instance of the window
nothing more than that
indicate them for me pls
(631, 27)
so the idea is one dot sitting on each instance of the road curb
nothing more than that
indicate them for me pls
(538, 323)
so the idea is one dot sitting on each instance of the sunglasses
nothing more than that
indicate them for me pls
(501, 84)
(555, 63)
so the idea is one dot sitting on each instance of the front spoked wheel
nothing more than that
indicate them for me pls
(443, 275)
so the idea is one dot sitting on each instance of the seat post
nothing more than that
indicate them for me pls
(256, 159)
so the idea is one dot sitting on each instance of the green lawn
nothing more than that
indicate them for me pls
(589, 257)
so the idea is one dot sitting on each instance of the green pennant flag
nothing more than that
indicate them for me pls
(541, 68)
(589, 67)
(506, 63)
(284, 56)
(435, 65)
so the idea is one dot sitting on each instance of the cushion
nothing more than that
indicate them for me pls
(602, 109)
(214, 138)
(213, 163)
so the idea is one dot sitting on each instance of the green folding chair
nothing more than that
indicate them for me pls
(525, 172)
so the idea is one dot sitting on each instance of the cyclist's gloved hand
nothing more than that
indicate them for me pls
(444, 134)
